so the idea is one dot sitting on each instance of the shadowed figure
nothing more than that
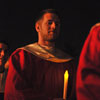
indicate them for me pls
(88, 74)
(3, 67)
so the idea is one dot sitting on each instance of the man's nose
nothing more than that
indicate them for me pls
(53, 25)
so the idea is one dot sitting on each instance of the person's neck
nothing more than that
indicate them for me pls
(46, 43)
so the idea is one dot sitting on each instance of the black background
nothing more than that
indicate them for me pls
(77, 18)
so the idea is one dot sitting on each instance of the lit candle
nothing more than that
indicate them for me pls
(65, 85)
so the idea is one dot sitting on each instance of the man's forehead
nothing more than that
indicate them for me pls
(50, 16)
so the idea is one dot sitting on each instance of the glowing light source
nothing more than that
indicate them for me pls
(66, 75)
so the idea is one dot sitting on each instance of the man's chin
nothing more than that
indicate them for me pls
(51, 39)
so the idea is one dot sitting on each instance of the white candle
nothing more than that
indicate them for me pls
(66, 75)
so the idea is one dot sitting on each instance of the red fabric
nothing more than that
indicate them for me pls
(32, 78)
(88, 73)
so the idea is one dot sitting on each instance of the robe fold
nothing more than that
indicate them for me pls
(31, 77)
(88, 73)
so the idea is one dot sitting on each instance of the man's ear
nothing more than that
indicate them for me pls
(37, 27)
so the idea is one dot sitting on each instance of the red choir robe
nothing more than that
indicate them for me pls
(31, 77)
(88, 74)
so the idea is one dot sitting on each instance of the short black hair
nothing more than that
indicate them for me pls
(40, 15)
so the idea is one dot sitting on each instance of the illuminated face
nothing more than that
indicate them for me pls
(3, 53)
(49, 27)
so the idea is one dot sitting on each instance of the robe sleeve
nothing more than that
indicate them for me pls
(88, 73)
(20, 83)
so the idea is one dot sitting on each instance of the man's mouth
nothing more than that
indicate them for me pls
(52, 31)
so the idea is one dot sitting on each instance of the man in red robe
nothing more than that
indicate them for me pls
(37, 70)
(88, 74)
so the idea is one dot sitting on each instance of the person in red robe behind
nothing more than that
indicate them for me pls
(88, 73)
(36, 71)
(4, 66)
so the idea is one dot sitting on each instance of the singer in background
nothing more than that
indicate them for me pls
(4, 54)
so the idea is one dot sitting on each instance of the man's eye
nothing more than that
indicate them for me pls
(49, 23)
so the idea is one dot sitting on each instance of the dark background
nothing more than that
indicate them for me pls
(77, 18)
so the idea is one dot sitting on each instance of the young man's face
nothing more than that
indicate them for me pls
(49, 27)
(3, 54)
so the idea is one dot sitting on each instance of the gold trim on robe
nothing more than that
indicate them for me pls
(50, 54)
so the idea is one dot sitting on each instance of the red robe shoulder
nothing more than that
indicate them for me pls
(88, 74)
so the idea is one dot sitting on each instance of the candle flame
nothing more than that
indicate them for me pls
(66, 74)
